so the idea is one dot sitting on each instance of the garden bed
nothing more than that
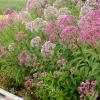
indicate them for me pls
(51, 50)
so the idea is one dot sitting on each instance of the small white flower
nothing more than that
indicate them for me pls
(11, 47)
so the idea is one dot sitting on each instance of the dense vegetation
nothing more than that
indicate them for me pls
(50, 50)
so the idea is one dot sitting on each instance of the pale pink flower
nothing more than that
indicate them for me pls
(37, 25)
(35, 41)
(28, 26)
(85, 10)
(28, 83)
(25, 16)
(31, 5)
(65, 20)
(23, 57)
(64, 11)
(43, 74)
(47, 49)
(61, 62)
(57, 73)
(35, 75)
(14, 18)
(50, 11)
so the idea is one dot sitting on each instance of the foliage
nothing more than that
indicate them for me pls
(45, 54)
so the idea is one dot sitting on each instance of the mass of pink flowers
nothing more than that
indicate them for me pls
(90, 28)
(88, 88)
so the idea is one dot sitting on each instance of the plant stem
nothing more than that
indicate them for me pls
(81, 51)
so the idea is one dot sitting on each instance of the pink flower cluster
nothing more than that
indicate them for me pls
(52, 37)
(87, 88)
(68, 33)
(31, 5)
(14, 18)
(47, 49)
(2, 24)
(50, 11)
(23, 57)
(65, 20)
(28, 82)
(90, 28)
(61, 62)
(51, 28)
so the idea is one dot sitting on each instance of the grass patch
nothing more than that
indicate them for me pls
(14, 4)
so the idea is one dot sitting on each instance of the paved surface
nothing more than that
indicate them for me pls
(4, 95)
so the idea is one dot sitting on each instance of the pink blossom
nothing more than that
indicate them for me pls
(44, 74)
(51, 28)
(68, 33)
(14, 18)
(28, 83)
(90, 28)
(35, 75)
(35, 41)
(31, 5)
(23, 57)
(65, 20)
(52, 37)
(61, 62)
(47, 49)
(57, 73)
(50, 11)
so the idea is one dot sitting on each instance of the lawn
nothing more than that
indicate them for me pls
(15, 4)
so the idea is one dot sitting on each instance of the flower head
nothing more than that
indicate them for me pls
(87, 88)
(68, 33)
(47, 49)
(35, 41)
(65, 20)
(23, 57)
(61, 62)
(90, 28)
(51, 28)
